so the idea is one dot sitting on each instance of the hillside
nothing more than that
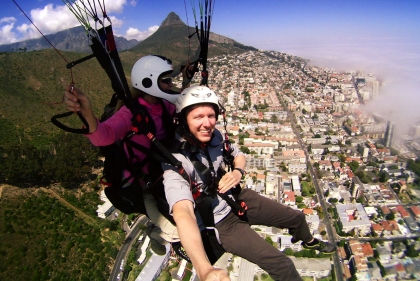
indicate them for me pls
(30, 82)
(54, 234)
(171, 40)
(31, 85)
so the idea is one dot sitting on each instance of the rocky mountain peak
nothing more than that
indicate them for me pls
(171, 20)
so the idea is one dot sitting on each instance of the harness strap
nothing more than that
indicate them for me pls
(210, 183)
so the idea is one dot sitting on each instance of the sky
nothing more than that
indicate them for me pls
(377, 36)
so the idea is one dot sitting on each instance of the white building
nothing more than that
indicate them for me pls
(296, 168)
(295, 183)
(105, 209)
(318, 268)
(353, 216)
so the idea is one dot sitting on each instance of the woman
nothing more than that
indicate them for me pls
(152, 83)
(197, 108)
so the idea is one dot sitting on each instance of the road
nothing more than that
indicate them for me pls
(328, 225)
(126, 247)
(330, 231)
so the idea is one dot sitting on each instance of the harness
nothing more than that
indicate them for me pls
(126, 193)
(203, 195)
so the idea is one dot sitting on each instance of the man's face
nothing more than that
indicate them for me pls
(201, 122)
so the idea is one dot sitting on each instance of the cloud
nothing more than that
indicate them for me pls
(8, 20)
(115, 6)
(53, 18)
(134, 33)
(116, 23)
(394, 62)
(49, 19)
(6, 34)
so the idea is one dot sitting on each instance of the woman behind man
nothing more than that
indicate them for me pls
(198, 109)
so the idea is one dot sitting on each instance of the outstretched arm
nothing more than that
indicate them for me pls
(183, 212)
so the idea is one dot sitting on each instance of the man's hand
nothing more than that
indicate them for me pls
(229, 180)
(216, 274)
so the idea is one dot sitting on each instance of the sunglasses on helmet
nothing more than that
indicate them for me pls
(166, 80)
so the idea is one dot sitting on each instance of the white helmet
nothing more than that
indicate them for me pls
(196, 95)
(146, 73)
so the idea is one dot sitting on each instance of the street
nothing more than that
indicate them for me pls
(125, 248)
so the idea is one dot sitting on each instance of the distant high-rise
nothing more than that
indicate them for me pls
(375, 88)
(389, 134)
(372, 86)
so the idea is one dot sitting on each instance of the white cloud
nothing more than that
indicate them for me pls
(134, 33)
(114, 6)
(8, 20)
(116, 23)
(54, 18)
(395, 62)
(133, 3)
(7, 36)
(49, 20)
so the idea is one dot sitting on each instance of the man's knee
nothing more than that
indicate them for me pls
(300, 216)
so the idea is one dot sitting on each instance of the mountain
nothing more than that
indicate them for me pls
(32, 82)
(73, 39)
(171, 40)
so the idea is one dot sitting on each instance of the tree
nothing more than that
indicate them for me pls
(354, 165)
(390, 216)
(411, 251)
(384, 176)
(245, 150)
(361, 200)
(333, 200)
(274, 118)
(269, 240)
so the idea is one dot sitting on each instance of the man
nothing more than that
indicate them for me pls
(198, 108)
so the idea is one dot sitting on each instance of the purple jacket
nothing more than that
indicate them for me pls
(119, 124)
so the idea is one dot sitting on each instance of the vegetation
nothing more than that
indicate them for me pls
(42, 239)
(414, 166)
(31, 91)
(67, 159)
(305, 253)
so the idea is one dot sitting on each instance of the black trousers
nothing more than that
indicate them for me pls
(238, 238)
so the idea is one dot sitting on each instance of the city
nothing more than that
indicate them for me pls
(309, 146)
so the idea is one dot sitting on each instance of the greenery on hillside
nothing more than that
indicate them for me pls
(41, 239)
(67, 159)
(31, 90)
(179, 48)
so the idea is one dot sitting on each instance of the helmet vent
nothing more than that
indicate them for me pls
(147, 82)
(202, 96)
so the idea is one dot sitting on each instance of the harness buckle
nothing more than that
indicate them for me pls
(244, 206)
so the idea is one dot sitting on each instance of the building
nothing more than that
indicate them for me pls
(315, 268)
(354, 217)
(106, 208)
(389, 134)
